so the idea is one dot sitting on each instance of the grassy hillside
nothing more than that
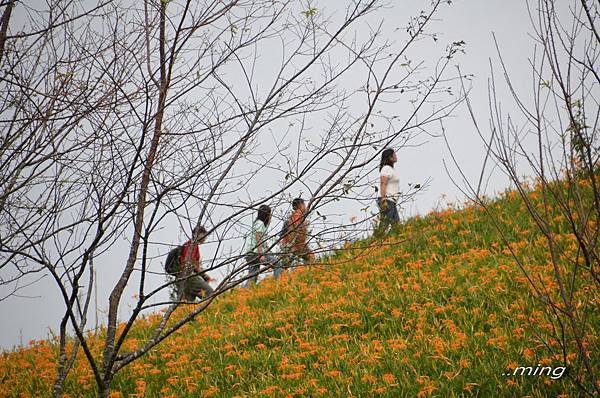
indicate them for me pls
(439, 309)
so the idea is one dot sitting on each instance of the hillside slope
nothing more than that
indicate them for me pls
(439, 309)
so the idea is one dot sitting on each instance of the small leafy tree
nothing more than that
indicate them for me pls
(557, 143)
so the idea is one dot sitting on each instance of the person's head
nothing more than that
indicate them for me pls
(264, 214)
(388, 158)
(199, 233)
(298, 204)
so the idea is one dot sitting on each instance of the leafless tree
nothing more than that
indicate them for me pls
(122, 120)
(557, 143)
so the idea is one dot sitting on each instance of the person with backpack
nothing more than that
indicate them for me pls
(255, 247)
(184, 262)
(294, 235)
(389, 185)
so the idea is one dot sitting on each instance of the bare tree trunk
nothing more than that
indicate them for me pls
(117, 292)
(4, 25)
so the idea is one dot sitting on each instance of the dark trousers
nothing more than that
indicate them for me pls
(195, 286)
(388, 216)
(253, 263)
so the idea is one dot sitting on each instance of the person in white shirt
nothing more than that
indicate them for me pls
(389, 189)
(255, 245)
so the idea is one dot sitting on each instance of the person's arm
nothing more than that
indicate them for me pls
(383, 183)
(259, 245)
(300, 230)
(196, 259)
(198, 265)
(303, 234)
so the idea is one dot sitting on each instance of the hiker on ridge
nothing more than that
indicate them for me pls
(255, 246)
(195, 282)
(389, 189)
(294, 235)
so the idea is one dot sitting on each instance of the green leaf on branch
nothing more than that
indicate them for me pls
(310, 12)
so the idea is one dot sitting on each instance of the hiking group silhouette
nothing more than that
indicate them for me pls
(184, 262)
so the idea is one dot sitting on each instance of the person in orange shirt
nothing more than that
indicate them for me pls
(294, 239)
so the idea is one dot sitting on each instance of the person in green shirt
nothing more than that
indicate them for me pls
(256, 246)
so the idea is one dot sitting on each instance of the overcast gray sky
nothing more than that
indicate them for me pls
(38, 309)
